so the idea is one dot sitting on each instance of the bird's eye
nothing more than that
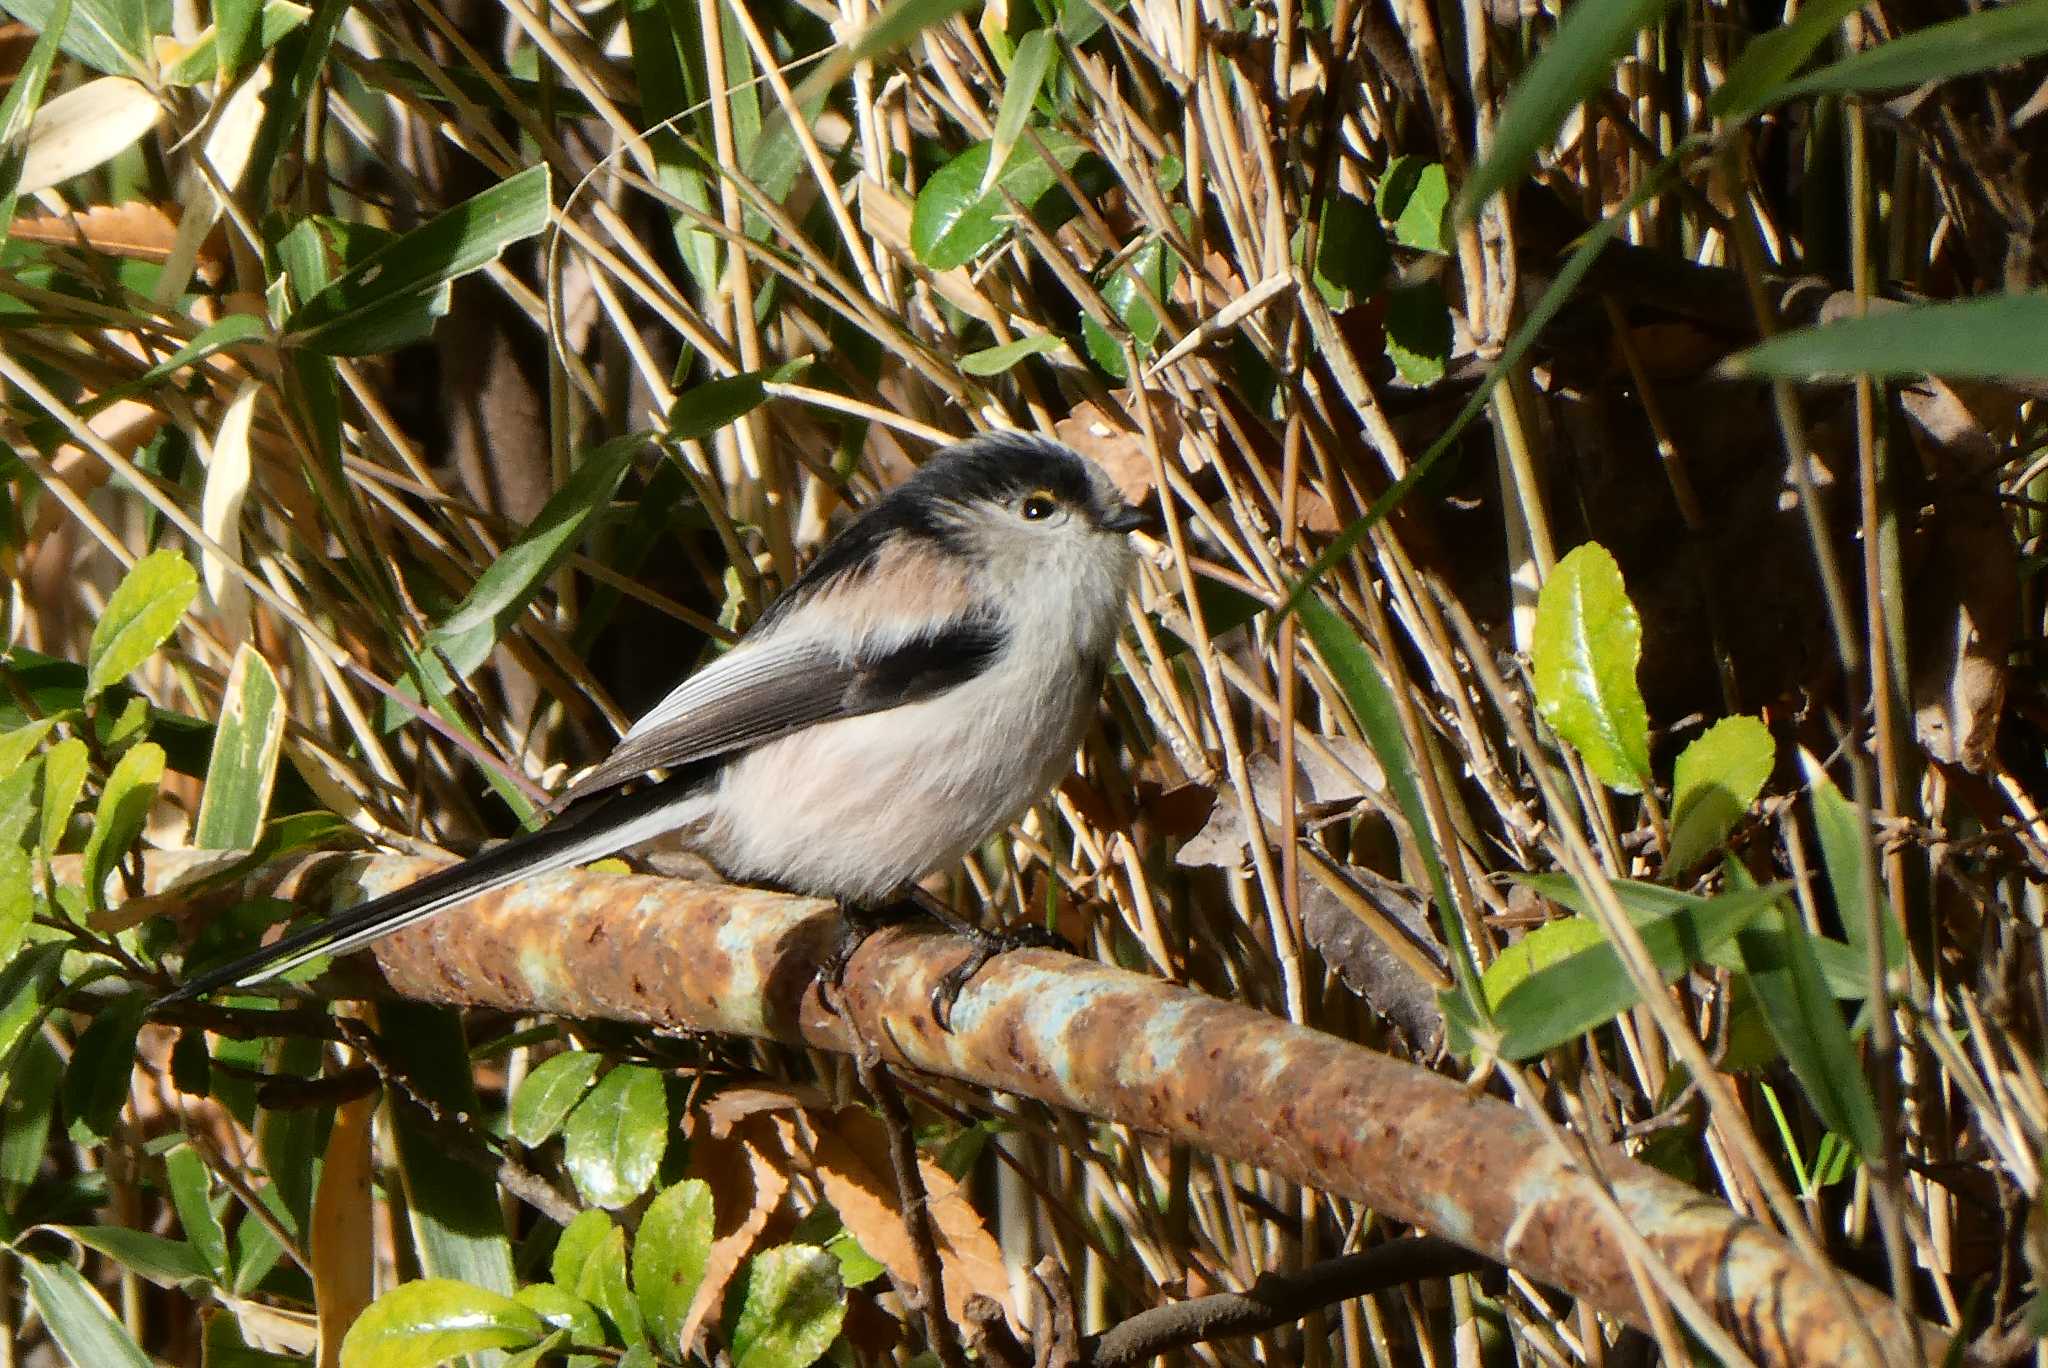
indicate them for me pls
(1038, 506)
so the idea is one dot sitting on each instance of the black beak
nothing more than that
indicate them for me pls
(1124, 519)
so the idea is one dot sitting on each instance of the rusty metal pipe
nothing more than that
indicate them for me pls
(1114, 1045)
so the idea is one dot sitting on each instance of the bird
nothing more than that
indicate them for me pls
(924, 680)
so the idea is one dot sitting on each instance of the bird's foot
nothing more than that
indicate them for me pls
(987, 945)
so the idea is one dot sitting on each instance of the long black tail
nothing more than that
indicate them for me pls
(588, 831)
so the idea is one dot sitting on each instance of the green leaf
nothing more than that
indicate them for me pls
(1413, 196)
(1715, 780)
(548, 1093)
(1419, 332)
(167, 1263)
(1992, 37)
(112, 36)
(703, 409)
(953, 220)
(419, 1324)
(1803, 1018)
(1542, 947)
(1578, 60)
(77, 1317)
(64, 767)
(614, 1139)
(143, 611)
(102, 1065)
(1851, 864)
(457, 1224)
(793, 1309)
(898, 23)
(669, 1256)
(502, 592)
(244, 761)
(1574, 994)
(241, 34)
(20, 106)
(394, 297)
(1352, 259)
(26, 984)
(1036, 53)
(293, 1140)
(1770, 58)
(590, 1261)
(1583, 655)
(564, 1310)
(123, 809)
(1990, 338)
(16, 745)
(191, 1185)
(996, 360)
(32, 1079)
(18, 802)
(17, 900)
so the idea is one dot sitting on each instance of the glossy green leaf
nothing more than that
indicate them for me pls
(793, 1309)
(613, 1140)
(669, 1256)
(953, 220)
(123, 809)
(394, 297)
(143, 610)
(1032, 62)
(1990, 38)
(1588, 988)
(64, 768)
(563, 1310)
(547, 1094)
(1715, 780)
(1769, 59)
(1993, 338)
(1414, 195)
(996, 360)
(191, 1185)
(1150, 266)
(590, 1261)
(1577, 61)
(167, 1263)
(419, 1324)
(703, 409)
(77, 1317)
(1583, 653)
(243, 766)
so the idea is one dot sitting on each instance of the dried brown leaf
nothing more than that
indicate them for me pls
(747, 1173)
(853, 1167)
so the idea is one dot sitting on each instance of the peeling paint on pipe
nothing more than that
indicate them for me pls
(1114, 1045)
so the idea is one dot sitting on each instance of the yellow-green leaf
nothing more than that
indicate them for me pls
(1716, 779)
(1583, 653)
(419, 1324)
(143, 611)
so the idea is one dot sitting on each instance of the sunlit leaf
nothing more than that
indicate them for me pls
(1715, 780)
(1583, 654)
(419, 1324)
(793, 1309)
(953, 220)
(669, 1256)
(123, 810)
(613, 1140)
(545, 1097)
(1992, 338)
(244, 762)
(142, 612)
